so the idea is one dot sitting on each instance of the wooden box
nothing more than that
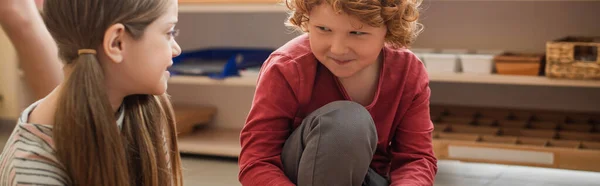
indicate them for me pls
(519, 64)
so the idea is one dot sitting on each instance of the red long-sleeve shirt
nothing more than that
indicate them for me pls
(292, 84)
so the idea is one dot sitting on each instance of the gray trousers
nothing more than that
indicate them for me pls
(333, 146)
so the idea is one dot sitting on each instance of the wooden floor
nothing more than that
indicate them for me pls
(223, 172)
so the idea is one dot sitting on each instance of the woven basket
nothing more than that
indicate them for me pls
(573, 58)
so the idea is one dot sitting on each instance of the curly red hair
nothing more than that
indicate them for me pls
(400, 16)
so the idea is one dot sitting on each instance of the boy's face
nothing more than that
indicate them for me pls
(343, 43)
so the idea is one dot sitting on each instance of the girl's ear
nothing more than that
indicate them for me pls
(113, 43)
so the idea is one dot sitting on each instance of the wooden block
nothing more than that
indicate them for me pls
(579, 118)
(532, 141)
(545, 125)
(457, 120)
(590, 145)
(538, 133)
(549, 134)
(550, 116)
(495, 114)
(576, 127)
(564, 144)
(579, 136)
(474, 129)
(498, 139)
(512, 124)
(520, 115)
(458, 136)
(485, 121)
(462, 111)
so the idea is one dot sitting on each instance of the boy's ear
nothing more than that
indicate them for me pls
(113, 43)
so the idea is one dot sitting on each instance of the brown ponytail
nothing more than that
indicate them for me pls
(87, 138)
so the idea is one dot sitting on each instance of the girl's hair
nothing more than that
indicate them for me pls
(89, 144)
(400, 16)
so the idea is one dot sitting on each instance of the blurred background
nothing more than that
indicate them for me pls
(515, 87)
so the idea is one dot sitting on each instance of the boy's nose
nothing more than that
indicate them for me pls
(338, 47)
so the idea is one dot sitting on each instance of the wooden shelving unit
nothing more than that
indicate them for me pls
(232, 96)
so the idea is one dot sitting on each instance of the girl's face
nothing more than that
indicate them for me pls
(342, 43)
(144, 62)
(39, 3)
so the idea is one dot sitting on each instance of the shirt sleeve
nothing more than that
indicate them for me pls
(269, 124)
(413, 161)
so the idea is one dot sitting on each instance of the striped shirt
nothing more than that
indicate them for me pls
(29, 155)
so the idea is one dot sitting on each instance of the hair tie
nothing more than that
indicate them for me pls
(86, 51)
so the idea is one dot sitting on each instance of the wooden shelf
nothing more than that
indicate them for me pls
(212, 141)
(250, 81)
(512, 80)
(231, 6)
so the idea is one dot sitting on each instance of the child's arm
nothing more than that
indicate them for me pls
(413, 161)
(268, 124)
(36, 50)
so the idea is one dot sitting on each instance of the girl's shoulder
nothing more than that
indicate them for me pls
(29, 157)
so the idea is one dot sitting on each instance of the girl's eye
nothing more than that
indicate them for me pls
(173, 33)
(322, 28)
(357, 33)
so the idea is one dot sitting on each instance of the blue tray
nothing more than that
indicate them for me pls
(219, 63)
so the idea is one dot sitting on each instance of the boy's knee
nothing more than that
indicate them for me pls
(346, 118)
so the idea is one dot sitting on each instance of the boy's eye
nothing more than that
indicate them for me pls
(322, 28)
(357, 33)
(173, 33)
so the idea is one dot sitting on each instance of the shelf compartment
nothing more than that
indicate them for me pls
(211, 141)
